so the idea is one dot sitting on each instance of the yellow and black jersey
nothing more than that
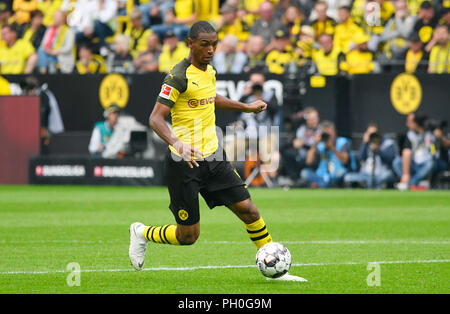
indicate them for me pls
(96, 66)
(185, 8)
(13, 59)
(357, 62)
(138, 42)
(440, 59)
(239, 29)
(326, 27)
(425, 31)
(191, 94)
(344, 34)
(276, 61)
(416, 62)
(328, 63)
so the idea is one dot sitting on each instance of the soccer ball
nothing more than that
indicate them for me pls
(273, 260)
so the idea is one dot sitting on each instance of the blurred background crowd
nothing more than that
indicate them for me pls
(328, 37)
(295, 38)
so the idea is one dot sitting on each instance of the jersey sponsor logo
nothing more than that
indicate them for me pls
(194, 103)
(166, 90)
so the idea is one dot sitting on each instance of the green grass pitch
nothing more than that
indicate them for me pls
(332, 235)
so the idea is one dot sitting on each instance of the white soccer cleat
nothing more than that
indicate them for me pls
(289, 277)
(138, 245)
(401, 186)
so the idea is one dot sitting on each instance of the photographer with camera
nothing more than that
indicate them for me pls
(442, 145)
(247, 124)
(295, 152)
(418, 153)
(333, 155)
(375, 155)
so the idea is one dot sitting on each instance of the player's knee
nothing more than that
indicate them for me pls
(188, 238)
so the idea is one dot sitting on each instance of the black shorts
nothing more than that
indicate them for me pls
(217, 182)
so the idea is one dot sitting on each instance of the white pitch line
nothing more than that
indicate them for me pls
(331, 242)
(346, 242)
(220, 267)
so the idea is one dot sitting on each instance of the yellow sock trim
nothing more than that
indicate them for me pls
(161, 234)
(257, 231)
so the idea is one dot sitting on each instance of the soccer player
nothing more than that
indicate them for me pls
(194, 162)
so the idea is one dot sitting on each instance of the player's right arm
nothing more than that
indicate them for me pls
(158, 123)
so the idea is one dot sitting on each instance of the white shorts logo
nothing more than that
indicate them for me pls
(166, 90)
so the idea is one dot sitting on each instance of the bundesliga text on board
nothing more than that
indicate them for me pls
(60, 171)
(123, 172)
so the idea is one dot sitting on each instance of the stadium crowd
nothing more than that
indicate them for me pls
(328, 37)
(258, 37)
(313, 154)
(318, 157)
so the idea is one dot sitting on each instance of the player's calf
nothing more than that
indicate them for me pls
(254, 224)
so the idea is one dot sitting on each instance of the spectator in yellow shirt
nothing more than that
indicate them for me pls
(5, 18)
(304, 46)
(328, 57)
(416, 59)
(345, 30)
(323, 23)
(283, 53)
(177, 20)
(22, 9)
(292, 20)
(137, 33)
(89, 63)
(17, 56)
(427, 21)
(208, 10)
(440, 54)
(360, 59)
(33, 31)
(49, 8)
(173, 52)
(230, 24)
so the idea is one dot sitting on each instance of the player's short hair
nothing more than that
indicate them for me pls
(201, 27)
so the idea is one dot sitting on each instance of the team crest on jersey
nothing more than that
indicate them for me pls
(183, 214)
(166, 90)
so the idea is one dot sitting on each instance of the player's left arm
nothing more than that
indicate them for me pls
(228, 104)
